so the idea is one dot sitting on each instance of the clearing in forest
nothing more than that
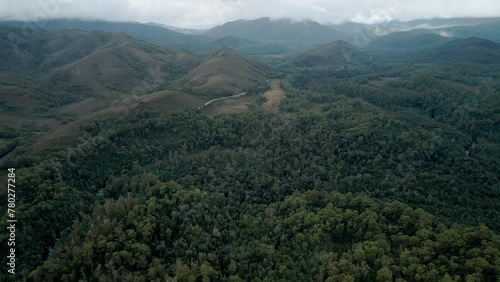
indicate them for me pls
(274, 96)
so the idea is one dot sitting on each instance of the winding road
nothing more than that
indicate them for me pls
(222, 98)
(8, 155)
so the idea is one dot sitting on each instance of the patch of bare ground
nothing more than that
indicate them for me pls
(274, 96)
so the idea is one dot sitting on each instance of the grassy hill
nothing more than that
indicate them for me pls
(58, 77)
(334, 55)
(224, 72)
(72, 66)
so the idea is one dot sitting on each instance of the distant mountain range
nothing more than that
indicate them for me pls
(189, 40)
(433, 50)
(408, 40)
(436, 23)
(281, 37)
(155, 34)
(472, 50)
(266, 29)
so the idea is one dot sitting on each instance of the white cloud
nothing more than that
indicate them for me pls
(207, 13)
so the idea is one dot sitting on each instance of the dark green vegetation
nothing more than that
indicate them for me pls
(410, 40)
(472, 50)
(334, 55)
(374, 167)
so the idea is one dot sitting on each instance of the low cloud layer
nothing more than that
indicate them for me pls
(208, 13)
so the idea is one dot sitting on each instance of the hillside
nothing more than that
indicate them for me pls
(266, 29)
(438, 23)
(81, 67)
(487, 28)
(250, 47)
(490, 31)
(55, 81)
(224, 72)
(152, 33)
(334, 55)
(409, 40)
(473, 50)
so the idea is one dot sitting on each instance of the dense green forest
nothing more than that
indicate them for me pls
(258, 191)
(374, 169)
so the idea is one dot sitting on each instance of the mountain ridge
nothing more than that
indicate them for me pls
(337, 54)
(267, 29)
(63, 76)
(476, 50)
(224, 71)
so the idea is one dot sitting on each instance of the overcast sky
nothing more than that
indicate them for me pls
(208, 13)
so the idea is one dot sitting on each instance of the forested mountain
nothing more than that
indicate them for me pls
(265, 37)
(266, 29)
(154, 34)
(489, 31)
(339, 164)
(439, 23)
(79, 72)
(334, 55)
(472, 50)
(161, 35)
(396, 33)
(410, 40)
(422, 46)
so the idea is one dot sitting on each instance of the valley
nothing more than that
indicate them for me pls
(258, 150)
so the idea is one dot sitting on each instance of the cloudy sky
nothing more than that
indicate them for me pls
(208, 13)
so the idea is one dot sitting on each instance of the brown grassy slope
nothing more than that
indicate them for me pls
(80, 76)
(90, 70)
(51, 77)
(121, 64)
(224, 71)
